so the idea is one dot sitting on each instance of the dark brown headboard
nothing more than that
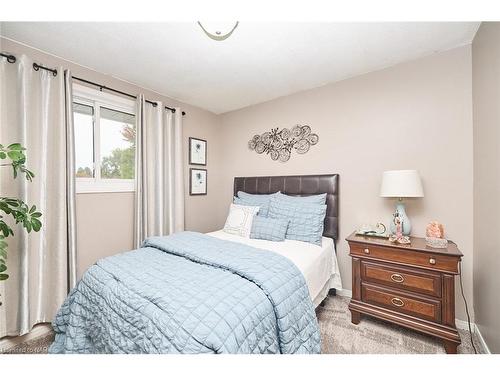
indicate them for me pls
(299, 185)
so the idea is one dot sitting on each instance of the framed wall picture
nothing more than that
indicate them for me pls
(197, 151)
(197, 181)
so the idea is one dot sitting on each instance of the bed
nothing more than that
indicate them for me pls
(206, 293)
(318, 264)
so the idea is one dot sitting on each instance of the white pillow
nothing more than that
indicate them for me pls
(239, 220)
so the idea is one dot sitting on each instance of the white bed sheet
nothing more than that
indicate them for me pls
(318, 264)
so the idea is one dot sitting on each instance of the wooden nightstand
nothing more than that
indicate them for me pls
(410, 285)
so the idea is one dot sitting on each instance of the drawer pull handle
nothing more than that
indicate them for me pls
(432, 261)
(367, 251)
(397, 302)
(397, 278)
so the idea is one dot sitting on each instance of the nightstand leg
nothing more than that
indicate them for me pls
(355, 317)
(450, 347)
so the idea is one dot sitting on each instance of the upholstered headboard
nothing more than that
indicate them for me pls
(299, 185)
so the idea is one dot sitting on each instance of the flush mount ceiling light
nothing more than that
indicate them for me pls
(220, 32)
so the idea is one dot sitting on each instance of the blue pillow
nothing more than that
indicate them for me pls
(242, 194)
(263, 205)
(261, 200)
(265, 228)
(306, 219)
(317, 199)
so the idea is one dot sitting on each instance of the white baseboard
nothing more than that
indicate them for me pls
(481, 340)
(461, 324)
(39, 330)
(344, 293)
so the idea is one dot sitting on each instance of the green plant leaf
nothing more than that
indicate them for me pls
(15, 155)
(15, 146)
(4, 229)
(36, 224)
(3, 268)
(3, 276)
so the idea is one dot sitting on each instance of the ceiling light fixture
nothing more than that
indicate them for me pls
(218, 35)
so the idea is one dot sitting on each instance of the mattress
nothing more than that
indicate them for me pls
(318, 264)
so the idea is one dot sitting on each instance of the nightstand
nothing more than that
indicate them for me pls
(410, 285)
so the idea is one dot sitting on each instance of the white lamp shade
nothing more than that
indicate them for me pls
(401, 184)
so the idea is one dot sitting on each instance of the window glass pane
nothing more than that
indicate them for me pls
(84, 140)
(117, 144)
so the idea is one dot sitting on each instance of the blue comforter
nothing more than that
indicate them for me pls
(189, 293)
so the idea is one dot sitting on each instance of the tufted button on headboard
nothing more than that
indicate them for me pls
(301, 186)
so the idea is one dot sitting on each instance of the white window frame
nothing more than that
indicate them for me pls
(97, 99)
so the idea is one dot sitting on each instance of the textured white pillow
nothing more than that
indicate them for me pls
(239, 220)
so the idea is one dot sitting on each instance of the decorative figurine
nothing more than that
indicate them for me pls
(435, 235)
(399, 225)
(398, 237)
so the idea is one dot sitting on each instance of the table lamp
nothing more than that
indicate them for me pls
(401, 184)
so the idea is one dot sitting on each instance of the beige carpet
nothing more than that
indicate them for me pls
(338, 335)
(373, 336)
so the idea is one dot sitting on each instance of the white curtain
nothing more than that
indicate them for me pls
(159, 193)
(36, 112)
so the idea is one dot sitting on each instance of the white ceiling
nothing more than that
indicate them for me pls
(259, 62)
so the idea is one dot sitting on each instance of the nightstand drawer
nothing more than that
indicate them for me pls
(425, 308)
(400, 255)
(426, 282)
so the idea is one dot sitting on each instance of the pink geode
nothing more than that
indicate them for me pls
(435, 229)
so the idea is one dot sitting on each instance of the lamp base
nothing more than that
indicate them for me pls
(405, 221)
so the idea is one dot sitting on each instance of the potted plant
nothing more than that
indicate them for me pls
(20, 211)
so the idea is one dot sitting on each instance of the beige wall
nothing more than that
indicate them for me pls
(486, 107)
(105, 221)
(416, 115)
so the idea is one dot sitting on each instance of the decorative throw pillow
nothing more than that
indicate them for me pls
(239, 220)
(261, 200)
(306, 219)
(318, 199)
(266, 228)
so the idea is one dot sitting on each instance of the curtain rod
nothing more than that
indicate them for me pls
(12, 59)
(37, 67)
(101, 87)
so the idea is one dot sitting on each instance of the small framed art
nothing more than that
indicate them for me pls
(197, 181)
(197, 151)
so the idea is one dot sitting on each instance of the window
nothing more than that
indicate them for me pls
(104, 141)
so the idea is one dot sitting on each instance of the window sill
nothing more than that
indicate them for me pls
(91, 186)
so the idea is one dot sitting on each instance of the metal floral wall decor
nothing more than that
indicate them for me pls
(280, 143)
